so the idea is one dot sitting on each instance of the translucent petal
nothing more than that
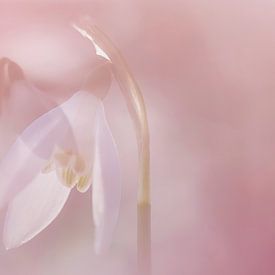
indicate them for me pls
(30, 152)
(106, 184)
(67, 127)
(33, 209)
(80, 111)
(48, 131)
(17, 169)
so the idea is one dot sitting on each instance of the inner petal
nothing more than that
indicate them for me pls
(71, 170)
(84, 183)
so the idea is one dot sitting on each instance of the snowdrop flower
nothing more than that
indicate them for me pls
(65, 154)
(69, 147)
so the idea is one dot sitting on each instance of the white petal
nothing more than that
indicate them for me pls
(31, 151)
(80, 110)
(34, 209)
(106, 184)
(17, 169)
(47, 132)
(65, 126)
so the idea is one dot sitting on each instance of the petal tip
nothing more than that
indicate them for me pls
(10, 243)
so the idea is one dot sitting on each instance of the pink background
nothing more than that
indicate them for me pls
(206, 69)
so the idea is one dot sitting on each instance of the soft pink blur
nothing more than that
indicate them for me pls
(206, 69)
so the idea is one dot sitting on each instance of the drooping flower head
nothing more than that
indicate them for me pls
(69, 147)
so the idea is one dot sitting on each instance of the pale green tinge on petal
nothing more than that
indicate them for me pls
(33, 209)
(106, 186)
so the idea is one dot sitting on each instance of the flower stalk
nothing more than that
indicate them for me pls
(136, 106)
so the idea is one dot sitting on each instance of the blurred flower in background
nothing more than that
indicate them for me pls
(21, 102)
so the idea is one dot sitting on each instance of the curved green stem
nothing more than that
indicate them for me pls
(137, 109)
